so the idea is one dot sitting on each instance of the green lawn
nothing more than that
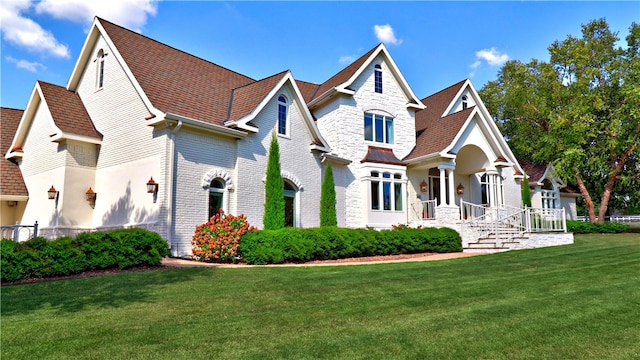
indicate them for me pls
(579, 301)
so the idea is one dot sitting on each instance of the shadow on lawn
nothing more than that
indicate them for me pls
(102, 292)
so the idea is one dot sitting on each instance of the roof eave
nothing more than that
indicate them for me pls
(218, 129)
(62, 136)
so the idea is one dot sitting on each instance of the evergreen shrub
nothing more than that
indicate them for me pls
(584, 227)
(121, 248)
(326, 243)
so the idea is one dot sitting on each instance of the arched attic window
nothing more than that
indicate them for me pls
(282, 115)
(465, 104)
(378, 78)
(100, 69)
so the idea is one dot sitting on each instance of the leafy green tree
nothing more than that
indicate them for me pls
(579, 111)
(328, 199)
(274, 191)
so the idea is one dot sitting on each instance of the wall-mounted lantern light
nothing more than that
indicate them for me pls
(460, 189)
(52, 193)
(90, 196)
(423, 186)
(152, 186)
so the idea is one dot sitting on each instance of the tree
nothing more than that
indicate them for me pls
(328, 199)
(274, 191)
(580, 111)
(526, 192)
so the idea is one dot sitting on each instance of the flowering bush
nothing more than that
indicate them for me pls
(219, 238)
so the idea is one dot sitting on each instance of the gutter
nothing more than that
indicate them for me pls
(218, 129)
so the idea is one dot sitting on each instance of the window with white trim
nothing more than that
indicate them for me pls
(378, 128)
(378, 78)
(549, 195)
(464, 102)
(282, 115)
(386, 191)
(100, 70)
(216, 196)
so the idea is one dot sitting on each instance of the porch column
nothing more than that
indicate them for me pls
(452, 201)
(491, 194)
(443, 187)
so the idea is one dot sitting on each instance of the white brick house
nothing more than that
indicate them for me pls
(135, 110)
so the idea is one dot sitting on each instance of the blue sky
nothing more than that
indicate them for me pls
(435, 44)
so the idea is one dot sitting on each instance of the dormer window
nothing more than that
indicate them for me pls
(282, 115)
(464, 102)
(378, 78)
(100, 69)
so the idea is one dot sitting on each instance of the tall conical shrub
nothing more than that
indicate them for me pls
(328, 199)
(526, 192)
(274, 193)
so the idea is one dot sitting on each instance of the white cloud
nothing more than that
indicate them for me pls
(27, 65)
(492, 56)
(384, 33)
(131, 14)
(24, 32)
(347, 59)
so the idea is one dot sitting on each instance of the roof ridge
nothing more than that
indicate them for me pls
(171, 47)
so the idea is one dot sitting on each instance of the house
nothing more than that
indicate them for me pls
(146, 135)
(548, 191)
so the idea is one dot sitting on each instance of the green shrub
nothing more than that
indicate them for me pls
(584, 227)
(326, 243)
(39, 257)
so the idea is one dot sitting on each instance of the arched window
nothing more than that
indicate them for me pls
(378, 128)
(378, 78)
(282, 115)
(100, 69)
(216, 196)
(290, 208)
(549, 195)
(464, 102)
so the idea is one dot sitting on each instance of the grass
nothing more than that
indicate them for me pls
(579, 301)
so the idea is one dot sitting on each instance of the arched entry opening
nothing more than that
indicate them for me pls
(290, 204)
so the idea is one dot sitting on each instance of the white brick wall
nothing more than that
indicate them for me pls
(196, 154)
(131, 151)
(295, 159)
(341, 122)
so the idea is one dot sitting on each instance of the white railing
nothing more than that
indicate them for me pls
(508, 222)
(425, 210)
(19, 232)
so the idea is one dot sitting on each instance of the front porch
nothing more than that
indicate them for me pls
(486, 228)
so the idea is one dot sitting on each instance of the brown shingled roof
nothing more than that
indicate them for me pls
(381, 156)
(533, 171)
(343, 75)
(307, 89)
(68, 111)
(246, 98)
(175, 81)
(11, 180)
(434, 132)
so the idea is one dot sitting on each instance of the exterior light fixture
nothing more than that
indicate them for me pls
(90, 196)
(460, 189)
(52, 193)
(423, 186)
(152, 186)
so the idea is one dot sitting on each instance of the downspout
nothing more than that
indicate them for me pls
(170, 187)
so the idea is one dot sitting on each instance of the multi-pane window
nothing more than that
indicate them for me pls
(378, 78)
(282, 115)
(549, 195)
(386, 191)
(378, 128)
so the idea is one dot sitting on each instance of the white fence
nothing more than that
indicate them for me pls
(425, 210)
(19, 232)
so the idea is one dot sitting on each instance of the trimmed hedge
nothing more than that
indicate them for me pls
(584, 227)
(121, 248)
(327, 243)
